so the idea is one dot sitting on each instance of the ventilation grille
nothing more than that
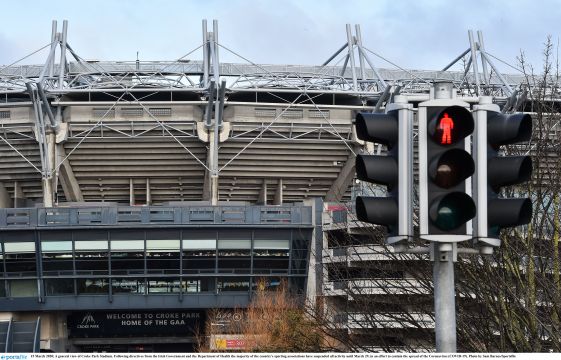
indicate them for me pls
(132, 111)
(322, 114)
(103, 113)
(264, 112)
(160, 111)
(293, 114)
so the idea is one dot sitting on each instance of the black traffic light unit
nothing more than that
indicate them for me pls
(445, 126)
(393, 170)
(495, 171)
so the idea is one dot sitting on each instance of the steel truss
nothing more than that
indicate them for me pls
(349, 72)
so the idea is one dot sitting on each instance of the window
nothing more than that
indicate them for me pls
(23, 288)
(164, 286)
(93, 286)
(56, 246)
(5, 114)
(127, 245)
(59, 286)
(91, 245)
(57, 257)
(233, 284)
(128, 285)
(271, 251)
(20, 258)
(199, 251)
(92, 256)
(19, 247)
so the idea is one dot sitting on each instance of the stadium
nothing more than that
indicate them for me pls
(136, 196)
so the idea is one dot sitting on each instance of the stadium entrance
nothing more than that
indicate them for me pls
(135, 331)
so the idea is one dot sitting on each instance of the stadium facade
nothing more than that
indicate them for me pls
(135, 196)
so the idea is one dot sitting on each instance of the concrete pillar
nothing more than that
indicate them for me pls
(19, 198)
(262, 200)
(5, 200)
(148, 194)
(278, 195)
(131, 192)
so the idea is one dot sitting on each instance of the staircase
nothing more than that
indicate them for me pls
(20, 336)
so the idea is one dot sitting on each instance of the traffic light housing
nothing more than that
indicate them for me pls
(445, 166)
(393, 170)
(495, 171)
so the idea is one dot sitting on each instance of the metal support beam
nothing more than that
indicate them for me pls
(360, 54)
(53, 47)
(468, 67)
(215, 135)
(506, 86)
(382, 83)
(67, 178)
(343, 68)
(473, 48)
(46, 107)
(215, 38)
(63, 55)
(208, 109)
(48, 189)
(384, 97)
(49, 64)
(334, 55)
(205, 54)
(486, 79)
(221, 98)
(456, 60)
(350, 47)
(343, 181)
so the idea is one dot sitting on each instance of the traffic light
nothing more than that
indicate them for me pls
(445, 170)
(495, 171)
(393, 170)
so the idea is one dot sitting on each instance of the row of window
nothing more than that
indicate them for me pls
(139, 285)
(141, 245)
(160, 262)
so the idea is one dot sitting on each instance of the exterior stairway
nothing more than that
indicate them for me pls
(20, 336)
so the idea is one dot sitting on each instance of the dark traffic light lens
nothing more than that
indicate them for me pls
(452, 210)
(451, 168)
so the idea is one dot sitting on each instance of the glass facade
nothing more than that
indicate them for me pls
(150, 261)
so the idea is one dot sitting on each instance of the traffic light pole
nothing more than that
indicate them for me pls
(444, 296)
(442, 253)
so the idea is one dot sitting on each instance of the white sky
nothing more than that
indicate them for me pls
(414, 34)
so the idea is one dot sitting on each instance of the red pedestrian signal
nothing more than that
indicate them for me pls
(446, 125)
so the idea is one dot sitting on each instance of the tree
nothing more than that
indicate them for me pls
(275, 321)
